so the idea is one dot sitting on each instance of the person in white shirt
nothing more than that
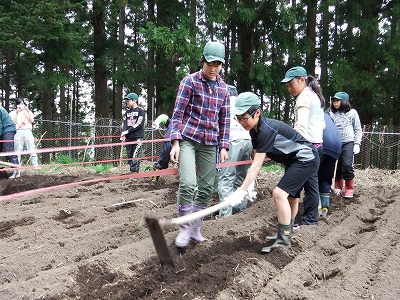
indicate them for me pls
(309, 122)
(23, 119)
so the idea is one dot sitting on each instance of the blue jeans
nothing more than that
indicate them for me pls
(9, 146)
(325, 173)
(197, 165)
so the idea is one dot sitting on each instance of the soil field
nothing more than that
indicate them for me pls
(75, 243)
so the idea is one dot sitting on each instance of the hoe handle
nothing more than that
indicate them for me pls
(197, 215)
(9, 164)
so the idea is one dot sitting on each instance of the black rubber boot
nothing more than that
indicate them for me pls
(271, 238)
(284, 238)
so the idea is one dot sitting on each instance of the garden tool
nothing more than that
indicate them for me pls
(156, 226)
(9, 164)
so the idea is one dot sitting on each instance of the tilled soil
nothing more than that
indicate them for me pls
(76, 243)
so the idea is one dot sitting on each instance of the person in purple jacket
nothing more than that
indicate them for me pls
(200, 124)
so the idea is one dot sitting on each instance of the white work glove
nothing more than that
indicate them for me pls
(155, 125)
(251, 192)
(236, 197)
(356, 149)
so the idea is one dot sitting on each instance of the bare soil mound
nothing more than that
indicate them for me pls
(75, 243)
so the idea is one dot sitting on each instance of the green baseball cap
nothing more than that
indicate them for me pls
(214, 51)
(244, 101)
(132, 96)
(341, 96)
(294, 72)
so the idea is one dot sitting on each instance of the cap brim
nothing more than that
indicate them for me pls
(211, 58)
(284, 80)
(241, 110)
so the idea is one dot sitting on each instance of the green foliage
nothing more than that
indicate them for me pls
(48, 44)
(103, 168)
(65, 159)
(148, 168)
(272, 167)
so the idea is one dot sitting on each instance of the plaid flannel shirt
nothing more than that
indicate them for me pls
(202, 114)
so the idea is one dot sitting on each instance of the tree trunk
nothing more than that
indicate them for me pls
(324, 80)
(311, 36)
(100, 72)
(99, 52)
(245, 47)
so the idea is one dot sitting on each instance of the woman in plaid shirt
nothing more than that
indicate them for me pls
(200, 123)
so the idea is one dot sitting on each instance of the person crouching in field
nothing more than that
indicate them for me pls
(7, 133)
(349, 126)
(283, 144)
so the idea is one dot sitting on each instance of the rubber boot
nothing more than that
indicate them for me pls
(349, 189)
(338, 186)
(196, 226)
(284, 238)
(271, 238)
(155, 179)
(324, 204)
(183, 237)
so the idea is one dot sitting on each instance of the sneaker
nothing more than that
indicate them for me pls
(296, 227)
(15, 174)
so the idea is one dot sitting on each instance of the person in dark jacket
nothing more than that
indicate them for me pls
(330, 154)
(7, 133)
(133, 130)
(282, 144)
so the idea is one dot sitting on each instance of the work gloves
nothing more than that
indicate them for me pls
(161, 119)
(236, 197)
(251, 192)
(155, 125)
(356, 149)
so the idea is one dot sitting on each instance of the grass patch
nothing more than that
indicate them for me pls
(102, 168)
(273, 167)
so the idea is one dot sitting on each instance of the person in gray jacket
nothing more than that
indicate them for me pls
(349, 126)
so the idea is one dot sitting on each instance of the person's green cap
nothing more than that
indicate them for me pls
(244, 101)
(132, 96)
(214, 51)
(294, 72)
(341, 96)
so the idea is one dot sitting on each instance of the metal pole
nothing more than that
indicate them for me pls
(152, 131)
(70, 125)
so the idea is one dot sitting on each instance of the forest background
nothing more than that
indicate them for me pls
(52, 52)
